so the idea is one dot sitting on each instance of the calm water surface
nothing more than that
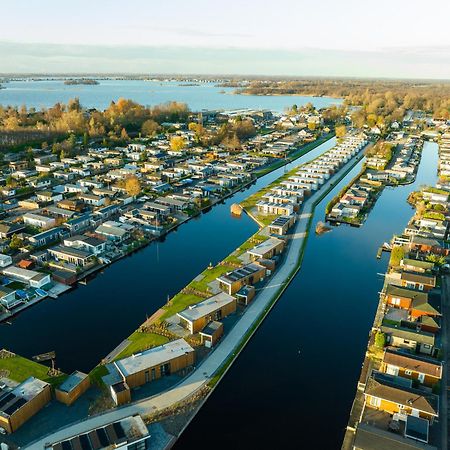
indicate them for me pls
(85, 324)
(293, 385)
(204, 96)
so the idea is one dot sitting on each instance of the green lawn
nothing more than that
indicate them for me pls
(178, 303)
(208, 276)
(96, 375)
(19, 369)
(141, 341)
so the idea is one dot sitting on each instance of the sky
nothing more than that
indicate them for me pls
(386, 38)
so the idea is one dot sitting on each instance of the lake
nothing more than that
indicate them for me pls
(40, 94)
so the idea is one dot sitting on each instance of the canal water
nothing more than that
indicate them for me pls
(40, 94)
(85, 324)
(293, 385)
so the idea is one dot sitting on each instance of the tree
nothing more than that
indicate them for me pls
(177, 143)
(311, 126)
(341, 131)
(133, 185)
(439, 260)
(380, 340)
(397, 254)
(124, 135)
(150, 127)
(15, 242)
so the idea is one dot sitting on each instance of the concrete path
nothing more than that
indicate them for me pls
(230, 343)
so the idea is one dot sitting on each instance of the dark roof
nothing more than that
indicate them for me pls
(413, 398)
(432, 305)
(369, 437)
(397, 291)
(211, 328)
(418, 278)
(421, 337)
(413, 362)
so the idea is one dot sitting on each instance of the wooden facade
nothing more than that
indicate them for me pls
(14, 421)
(77, 384)
(155, 372)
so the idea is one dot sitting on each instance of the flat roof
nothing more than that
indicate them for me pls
(206, 307)
(153, 357)
(211, 328)
(113, 435)
(12, 401)
(72, 381)
(266, 246)
(417, 428)
(239, 274)
(71, 251)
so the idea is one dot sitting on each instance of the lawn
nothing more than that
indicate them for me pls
(209, 275)
(19, 369)
(140, 341)
(96, 375)
(178, 303)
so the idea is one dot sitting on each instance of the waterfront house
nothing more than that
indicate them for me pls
(426, 371)
(233, 281)
(429, 245)
(267, 249)
(414, 265)
(285, 209)
(398, 399)
(196, 317)
(406, 337)
(30, 277)
(155, 363)
(402, 298)
(88, 243)
(72, 255)
(281, 225)
(18, 405)
(422, 282)
(8, 297)
(72, 387)
(113, 231)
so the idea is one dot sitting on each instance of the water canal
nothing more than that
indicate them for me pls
(293, 385)
(84, 325)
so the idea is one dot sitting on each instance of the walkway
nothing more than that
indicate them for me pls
(230, 343)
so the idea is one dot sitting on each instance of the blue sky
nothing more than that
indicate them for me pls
(394, 38)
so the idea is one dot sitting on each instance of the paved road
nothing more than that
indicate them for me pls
(229, 345)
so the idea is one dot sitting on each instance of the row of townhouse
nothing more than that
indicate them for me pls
(401, 387)
(287, 197)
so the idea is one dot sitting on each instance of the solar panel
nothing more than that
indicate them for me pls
(85, 443)
(66, 445)
(15, 406)
(103, 437)
(119, 430)
(6, 399)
